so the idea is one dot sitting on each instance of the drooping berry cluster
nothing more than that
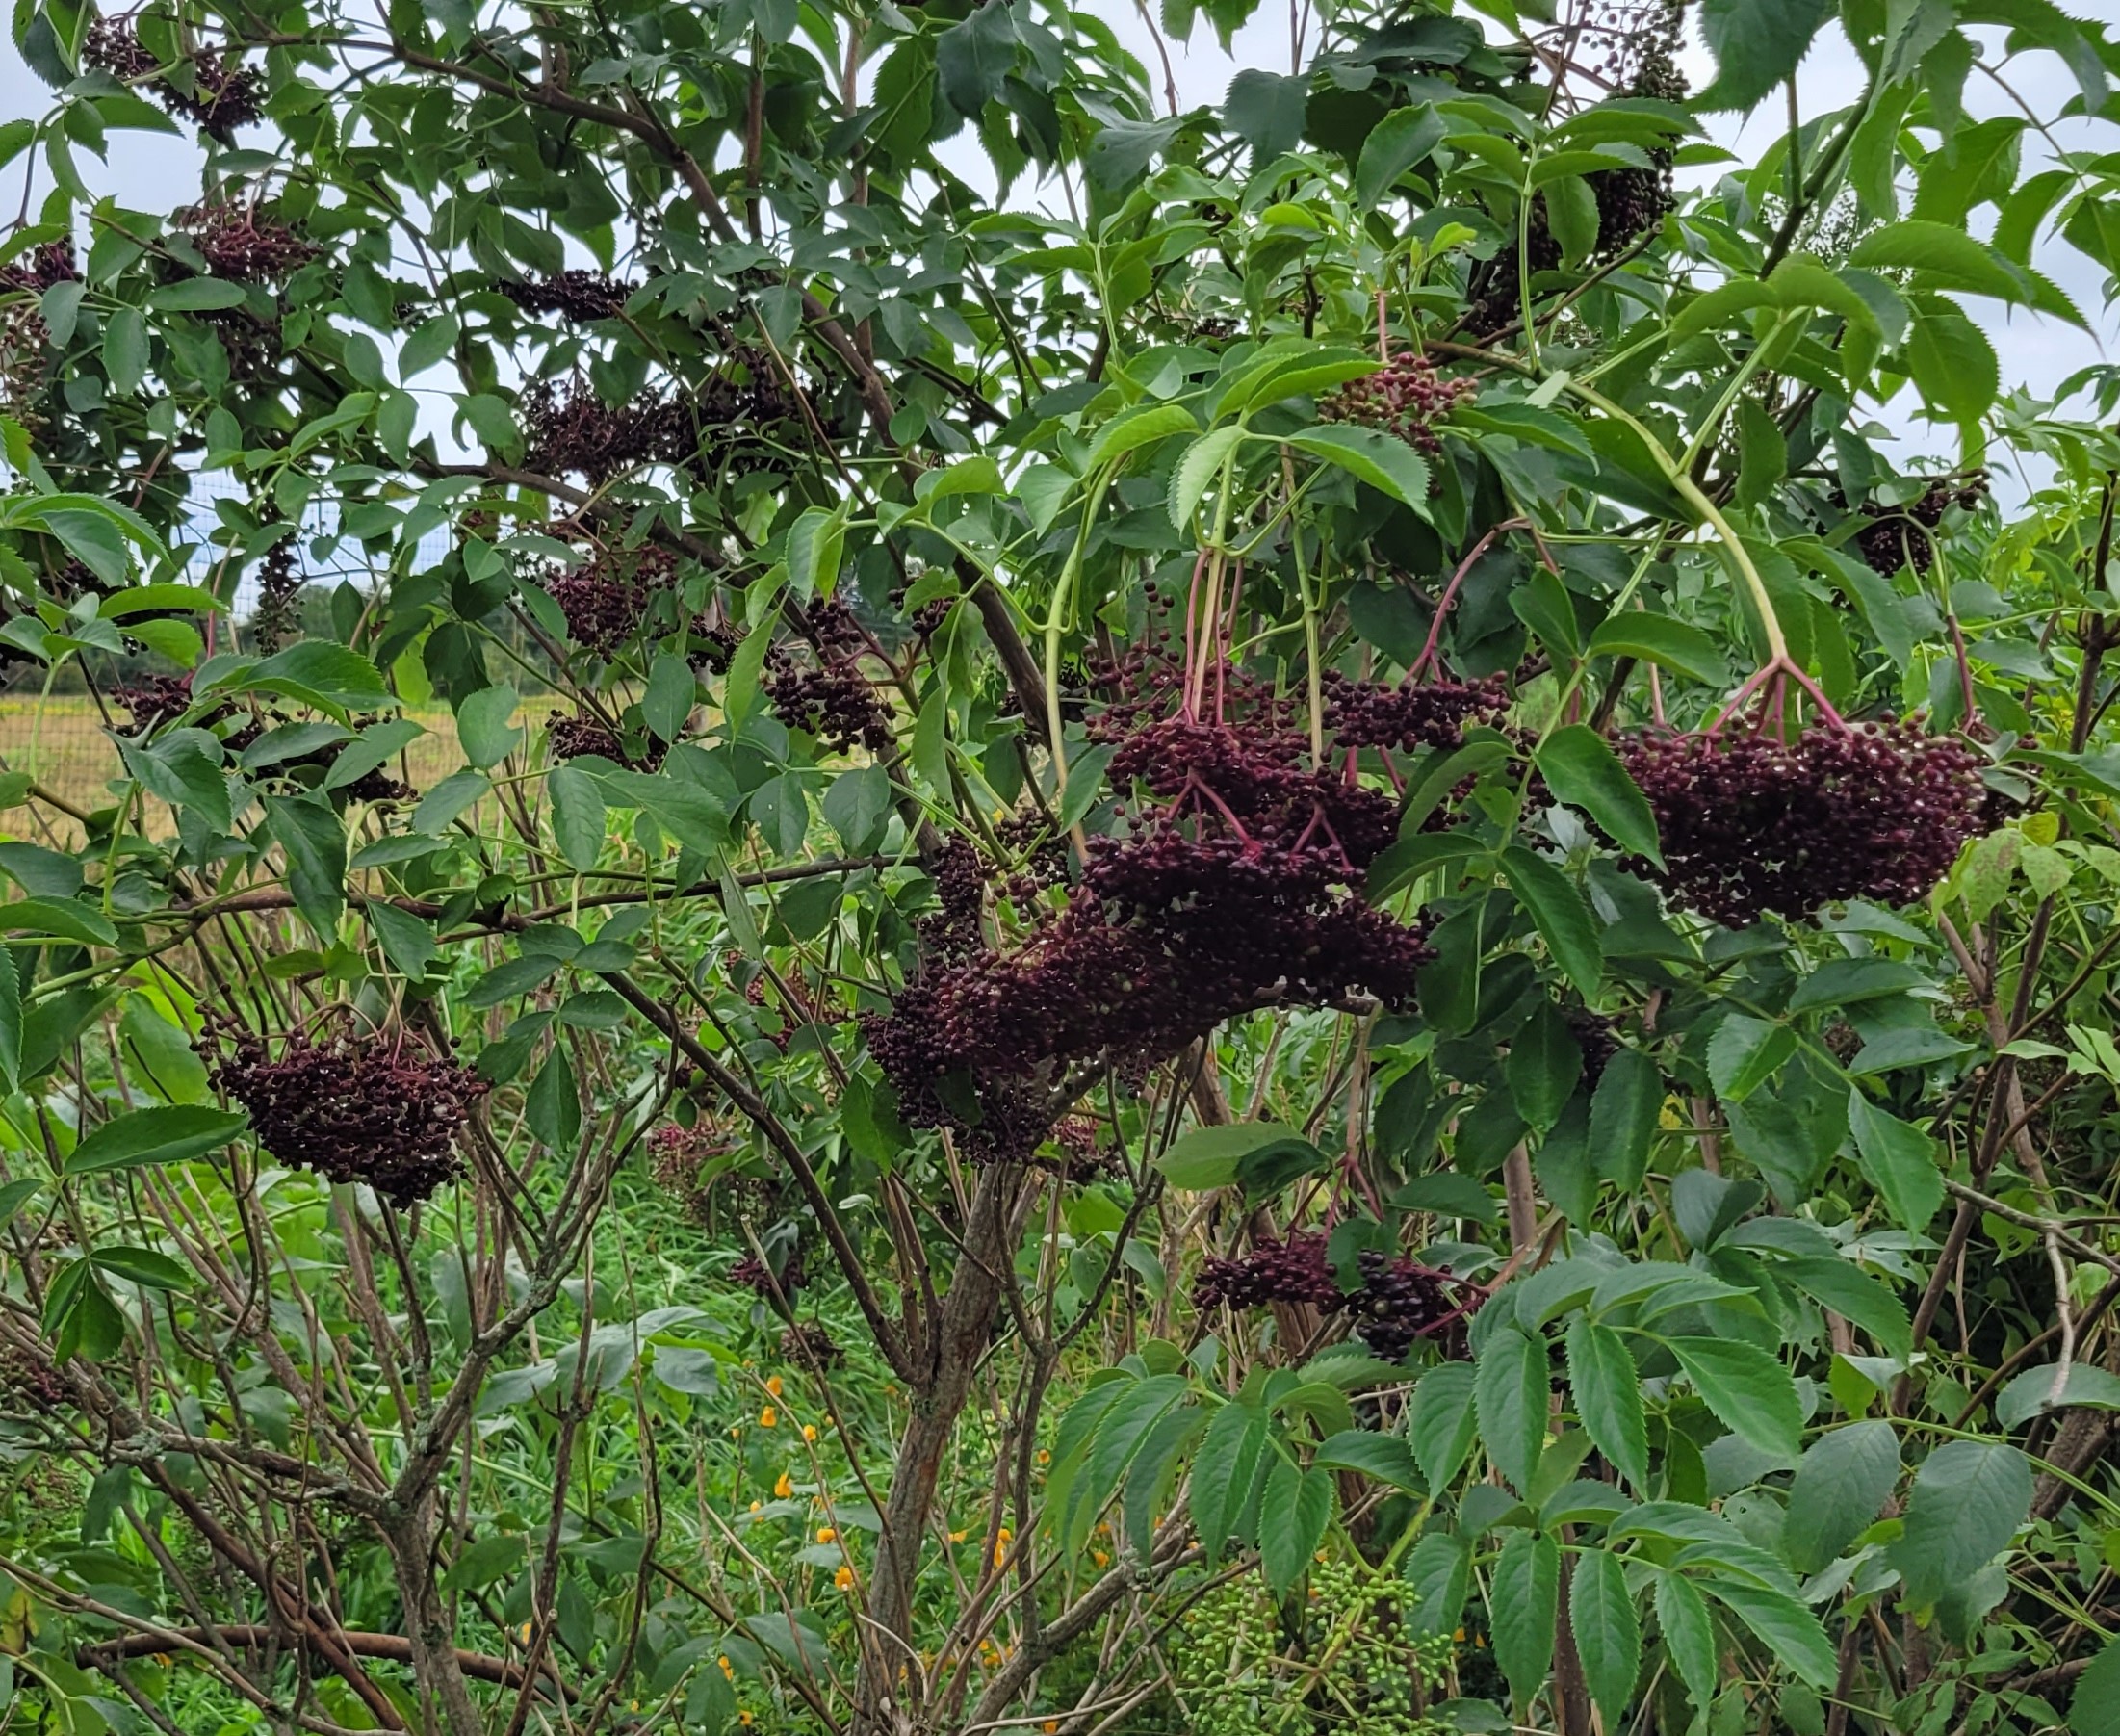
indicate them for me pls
(580, 434)
(382, 1112)
(1414, 714)
(576, 294)
(43, 266)
(279, 583)
(1597, 1036)
(1040, 853)
(1642, 48)
(606, 597)
(1398, 1302)
(222, 98)
(244, 243)
(821, 689)
(1406, 397)
(1227, 894)
(953, 930)
(1751, 824)
(153, 699)
(571, 734)
(1295, 1270)
(1897, 537)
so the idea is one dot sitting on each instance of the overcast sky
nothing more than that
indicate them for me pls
(160, 171)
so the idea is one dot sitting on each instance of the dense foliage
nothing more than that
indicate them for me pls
(1279, 940)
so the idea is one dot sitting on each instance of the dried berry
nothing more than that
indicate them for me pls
(754, 1275)
(810, 1346)
(1750, 823)
(606, 598)
(377, 1111)
(154, 699)
(43, 266)
(279, 583)
(569, 736)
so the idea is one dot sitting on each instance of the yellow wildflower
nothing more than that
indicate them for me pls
(844, 1579)
(769, 1418)
(784, 1489)
(825, 1533)
(772, 1384)
(809, 1431)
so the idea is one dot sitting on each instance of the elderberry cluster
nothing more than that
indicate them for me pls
(581, 434)
(823, 692)
(1227, 895)
(959, 875)
(1897, 537)
(1406, 397)
(570, 736)
(243, 243)
(1597, 1036)
(279, 583)
(43, 266)
(1399, 1304)
(1296, 1270)
(812, 1346)
(1414, 714)
(574, 295)
(1752, 824)
(381, 1113)
(1642, 48)
(222, 98)
(605, 599)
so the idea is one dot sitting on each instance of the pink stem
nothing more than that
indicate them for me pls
(1450, 593)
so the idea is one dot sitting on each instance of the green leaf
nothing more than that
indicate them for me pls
(1953, 363)
(1899, 1159)
(313, 838)
(552, 1105)
(1523, 1600)
(2094, 1709)
(80, 1318)
(1837, 1284)
(1292, 1522)
(406, 939)
(197, 295)
(1750, 1391)
(1564, 921)
(1085, 783)
(1402, 138)
(2032, 1393)
(1265, 109)
(1438, 1573)
(1745, 1053)
(1841, 1482)
(1510, 1388)
(1625, 1111)
(1208, 1157)
(1386, 463)
(1756, 44)
(1689, 1636)
(141, 1267)
(857, 805)
(1607, 1633)
(1141, 426)
(125, 350)
(577, 815)
(1580, 768)
(1385, 1457)
(485, 726)
(1947, 257)
(61, 917)
(667, 704)
(1671, 644)
(11, 1020)
(1968, 1499)
(1203, 459)
(1789, 1632)
(174, 1135)
(973, 58)
(1442, 1422)
(816, 545)
(1606, 1388)
(1545, 1062)
(1223, 1470)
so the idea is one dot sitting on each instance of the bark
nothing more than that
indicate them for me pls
(410, 1533)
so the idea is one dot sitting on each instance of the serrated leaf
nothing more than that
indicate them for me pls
(1898, 1158)
(1442, 1422)
(1208, 1157)
(1689, 1636)
(1606, 1388)
(1509, 1387)
(1203, 459)
(1607, 1633)
(1968, 1499)
(1625, 1111)
(1386, 463)
(1563, 920)
(1748, 1390)
(1222, 1471)
(1745, 1053)
(173, 1135)
(1841, 1482)
(1438, 1573)
(1292, 1522)
(1523, 1600)
(1580, 768)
